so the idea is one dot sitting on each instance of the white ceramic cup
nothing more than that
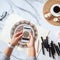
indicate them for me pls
(55, 13)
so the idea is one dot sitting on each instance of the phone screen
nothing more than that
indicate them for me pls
(26, 34)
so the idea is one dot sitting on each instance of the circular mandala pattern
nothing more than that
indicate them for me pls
(19, 26)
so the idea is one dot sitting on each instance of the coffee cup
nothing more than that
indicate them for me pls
(55, 10)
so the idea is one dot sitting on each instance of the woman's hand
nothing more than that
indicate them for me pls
(31, 46)
(16, 37)
(31, 43)
(13, 42)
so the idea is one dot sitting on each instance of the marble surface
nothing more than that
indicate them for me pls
(32, 10)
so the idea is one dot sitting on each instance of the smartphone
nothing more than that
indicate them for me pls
(26, 34)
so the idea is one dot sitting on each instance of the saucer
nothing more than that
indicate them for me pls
(48, 9)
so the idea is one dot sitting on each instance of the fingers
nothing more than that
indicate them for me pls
(31, 37)
(31, 42)
(17, 34)
(19, 37)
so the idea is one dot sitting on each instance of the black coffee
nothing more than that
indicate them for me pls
(56, 9)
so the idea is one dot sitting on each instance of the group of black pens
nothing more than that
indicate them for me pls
(52, 48)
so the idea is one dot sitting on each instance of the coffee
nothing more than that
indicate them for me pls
(56, 9)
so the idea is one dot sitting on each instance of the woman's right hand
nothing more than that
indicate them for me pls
(16, 37)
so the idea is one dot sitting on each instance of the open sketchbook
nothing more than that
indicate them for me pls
(12, 19)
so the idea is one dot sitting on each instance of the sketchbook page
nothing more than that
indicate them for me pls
(41, 32)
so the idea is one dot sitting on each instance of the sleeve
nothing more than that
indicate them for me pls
(31, 58)
(4, 57)
(58, 57)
